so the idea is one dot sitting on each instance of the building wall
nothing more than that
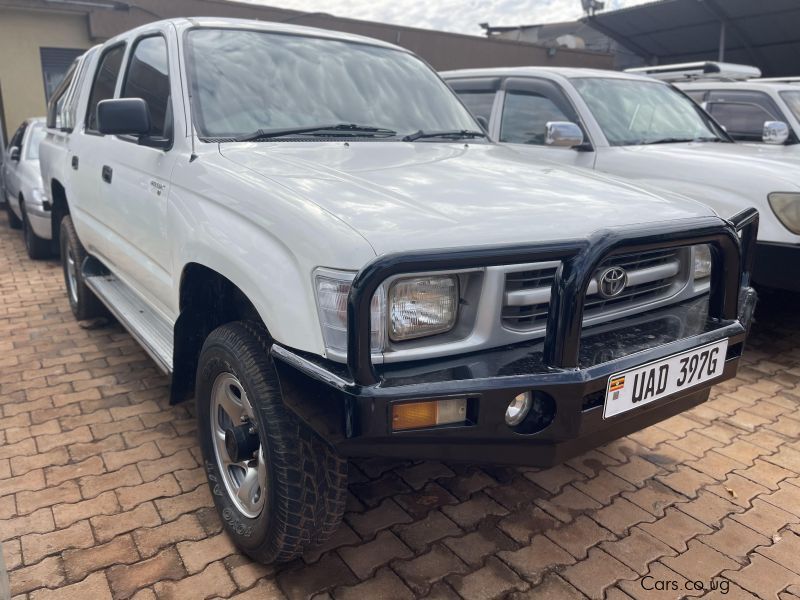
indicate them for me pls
(28, 25)
(22, 34)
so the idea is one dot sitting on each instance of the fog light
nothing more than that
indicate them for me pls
(417, 415)
(518, 409)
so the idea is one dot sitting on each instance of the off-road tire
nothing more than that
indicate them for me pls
(85, 305)
(13, 220)
(36, 247)
(306, 479)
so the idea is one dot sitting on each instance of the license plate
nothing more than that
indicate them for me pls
(648, 383)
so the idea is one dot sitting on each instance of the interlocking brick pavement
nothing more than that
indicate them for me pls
(102, 494)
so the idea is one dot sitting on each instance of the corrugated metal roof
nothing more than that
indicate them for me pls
(764, 33)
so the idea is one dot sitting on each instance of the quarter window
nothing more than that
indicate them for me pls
(104, 83)
(525, 116)
(148, 78)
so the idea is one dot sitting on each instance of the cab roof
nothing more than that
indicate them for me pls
(566, 72)
(184, 23)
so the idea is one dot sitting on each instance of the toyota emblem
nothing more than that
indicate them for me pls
(612, 282)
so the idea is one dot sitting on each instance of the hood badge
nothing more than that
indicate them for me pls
(612, 282)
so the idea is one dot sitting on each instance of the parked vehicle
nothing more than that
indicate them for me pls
(26, 204)
(752, 110)
(314, 237)
(55, 159)
(649, 132)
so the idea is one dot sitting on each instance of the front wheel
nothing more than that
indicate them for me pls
(82, 301)
(278, 487)
(36, 247)
(13, 219)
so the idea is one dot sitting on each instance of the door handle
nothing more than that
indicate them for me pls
(75, 163)
(107, 173)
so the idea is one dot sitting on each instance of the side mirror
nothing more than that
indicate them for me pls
(562, 133)
(14, 154)
(483, 122)
(775, 132)
(123, 116)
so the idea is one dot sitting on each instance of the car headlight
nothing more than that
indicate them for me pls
(422, 306)
(333, 289)
(702, 261)
(40, 198)
(786, 206)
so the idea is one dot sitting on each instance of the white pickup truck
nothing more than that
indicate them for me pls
(315, 238)
(647, 131)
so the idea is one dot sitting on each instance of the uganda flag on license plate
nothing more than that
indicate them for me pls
(616, 384)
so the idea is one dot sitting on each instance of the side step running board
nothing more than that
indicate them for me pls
(146, 326)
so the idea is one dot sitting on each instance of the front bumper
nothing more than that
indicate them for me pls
(777, 266)
(570, 368)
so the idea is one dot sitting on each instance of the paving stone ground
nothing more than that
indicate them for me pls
(102, 494)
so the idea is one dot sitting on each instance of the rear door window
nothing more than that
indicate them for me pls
(479, 103)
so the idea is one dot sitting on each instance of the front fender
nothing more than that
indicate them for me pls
(266, 241)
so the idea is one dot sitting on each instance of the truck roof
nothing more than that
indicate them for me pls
(754, 84)
(566, 72)
(183, 23)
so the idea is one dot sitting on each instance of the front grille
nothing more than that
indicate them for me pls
(652, 275)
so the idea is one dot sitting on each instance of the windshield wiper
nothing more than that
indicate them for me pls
(456, 134)
(675, 140)
(338, 130)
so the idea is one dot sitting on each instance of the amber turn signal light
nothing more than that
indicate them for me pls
(429, 413)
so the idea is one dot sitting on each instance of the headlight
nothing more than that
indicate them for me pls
(786, 206)
(702, 261)
(39, 196)
(333, 288)
(422, 306)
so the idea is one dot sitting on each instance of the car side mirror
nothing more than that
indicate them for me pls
(483, 122)
(123, 116)
(14, 154)
(775, 132)
(129, 116)
(562, 133)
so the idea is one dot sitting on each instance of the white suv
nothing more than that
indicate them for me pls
(649, 132)
(312, 235)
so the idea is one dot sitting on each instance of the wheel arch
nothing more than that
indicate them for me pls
(207, 299)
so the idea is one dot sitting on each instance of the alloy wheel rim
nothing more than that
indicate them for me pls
(72, 276)
(244, 477)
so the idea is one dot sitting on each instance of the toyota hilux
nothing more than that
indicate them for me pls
(314, 238)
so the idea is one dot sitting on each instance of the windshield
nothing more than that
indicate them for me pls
(36, 136)
(634, 112)
(792, 99)
(244, 81)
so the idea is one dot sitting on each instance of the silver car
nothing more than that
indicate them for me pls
(26, 202)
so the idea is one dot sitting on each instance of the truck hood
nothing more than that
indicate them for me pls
(726, 159)
(410, 196)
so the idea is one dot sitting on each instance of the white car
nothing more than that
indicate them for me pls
(315, 238)
(26, 204)
(650, 133)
